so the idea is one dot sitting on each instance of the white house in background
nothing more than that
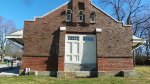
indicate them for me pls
(16, 37)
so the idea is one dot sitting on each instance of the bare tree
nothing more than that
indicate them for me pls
(140, 23)
(5, 28)
(142, 28)
(14, 50)
(132, 12)
(125, 10)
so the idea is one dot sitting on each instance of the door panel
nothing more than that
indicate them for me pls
(69, 57)
(80, 49)
(76, 48)
(69, 48)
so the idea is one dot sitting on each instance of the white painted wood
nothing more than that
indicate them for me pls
(62, 28)
(80, 48)
(98, 30)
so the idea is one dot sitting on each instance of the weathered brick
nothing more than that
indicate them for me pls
(115, 64)
(44, 44)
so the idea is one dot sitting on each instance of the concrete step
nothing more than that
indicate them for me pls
(8, 74)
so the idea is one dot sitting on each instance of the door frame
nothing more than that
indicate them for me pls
(80, 46)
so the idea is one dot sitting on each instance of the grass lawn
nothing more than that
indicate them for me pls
(143, 77)
(2, 62)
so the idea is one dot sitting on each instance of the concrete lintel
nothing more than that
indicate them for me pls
(62, 28)
(98, 30)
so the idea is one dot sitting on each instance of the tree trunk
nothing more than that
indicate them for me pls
(2, 56)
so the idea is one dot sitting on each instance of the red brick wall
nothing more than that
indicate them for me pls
(40, 63)
(42, 38)
(35, 63)
(60, 63)
(43, 33)
(115, 64)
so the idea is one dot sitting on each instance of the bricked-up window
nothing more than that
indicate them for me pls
(81, 16)
(81, 5)
(93, 17)
(68, 15)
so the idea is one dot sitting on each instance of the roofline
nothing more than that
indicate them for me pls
(49, 12)
(137, 47)
(91, 4)
(15, 31)
(56, 8)
(14, 36)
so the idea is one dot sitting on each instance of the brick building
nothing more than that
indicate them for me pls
(77, 37)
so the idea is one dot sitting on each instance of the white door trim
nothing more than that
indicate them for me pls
(79, 42)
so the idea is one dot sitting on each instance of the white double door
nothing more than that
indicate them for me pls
(80, 49)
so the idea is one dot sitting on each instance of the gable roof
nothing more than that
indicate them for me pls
(91, 4)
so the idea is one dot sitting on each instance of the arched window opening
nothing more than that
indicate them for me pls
(81, 16)
(93, 17)
(68, 15)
